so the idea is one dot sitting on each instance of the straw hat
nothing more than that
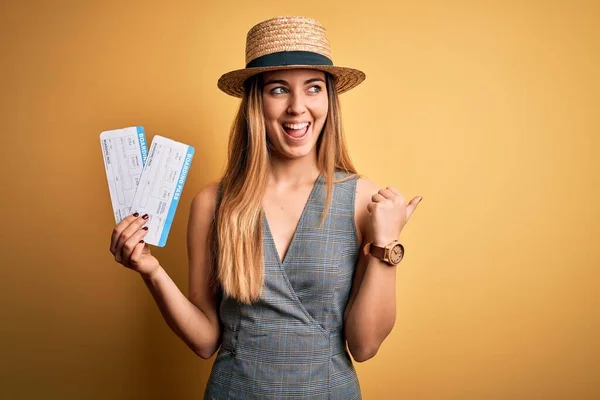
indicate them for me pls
(287, 43)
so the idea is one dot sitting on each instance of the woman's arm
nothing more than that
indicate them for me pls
(194, 320)
(371, 310)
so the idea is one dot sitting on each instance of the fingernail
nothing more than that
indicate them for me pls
(136, 214)
(145, 228)
(141, 241)
(145, 216)
(420, 198)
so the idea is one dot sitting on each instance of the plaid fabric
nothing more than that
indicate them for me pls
(289, 344)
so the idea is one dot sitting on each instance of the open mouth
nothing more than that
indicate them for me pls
(296, 131)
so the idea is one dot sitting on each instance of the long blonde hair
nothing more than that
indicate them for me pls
(236, 240)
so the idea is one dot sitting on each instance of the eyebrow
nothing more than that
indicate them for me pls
(283, 82)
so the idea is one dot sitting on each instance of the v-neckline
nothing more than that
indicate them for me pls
(298, 227)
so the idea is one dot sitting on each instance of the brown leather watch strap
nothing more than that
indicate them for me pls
(377, 251)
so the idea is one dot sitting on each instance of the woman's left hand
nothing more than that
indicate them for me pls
(389, 213)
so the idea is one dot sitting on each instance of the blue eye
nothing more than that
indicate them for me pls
(278, 90)
(315, 89)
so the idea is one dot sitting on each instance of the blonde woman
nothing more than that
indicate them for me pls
(292, 255)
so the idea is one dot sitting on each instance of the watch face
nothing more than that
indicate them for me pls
(396, 254)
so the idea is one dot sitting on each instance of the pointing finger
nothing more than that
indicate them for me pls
(412, 206)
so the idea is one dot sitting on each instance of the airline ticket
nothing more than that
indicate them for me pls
(124, 152)
(160, 187)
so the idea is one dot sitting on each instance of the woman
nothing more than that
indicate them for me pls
(291, 254)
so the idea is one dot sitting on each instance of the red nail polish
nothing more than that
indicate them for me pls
(136, 214)
(145, 228)
(141, 241)
(145, 216)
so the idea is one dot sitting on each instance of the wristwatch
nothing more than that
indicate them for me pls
(391, 254)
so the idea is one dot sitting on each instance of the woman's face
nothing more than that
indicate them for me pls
(295, 108)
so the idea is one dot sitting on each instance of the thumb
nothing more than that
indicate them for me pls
(412, 206)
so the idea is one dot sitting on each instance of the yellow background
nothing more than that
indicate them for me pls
(489, 110)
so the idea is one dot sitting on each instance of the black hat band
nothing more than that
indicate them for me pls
(284, 58)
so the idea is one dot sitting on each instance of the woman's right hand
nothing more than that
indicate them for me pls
(129, 248)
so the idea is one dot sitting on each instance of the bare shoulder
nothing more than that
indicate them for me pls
(205, 201)
(202, 212)
(365, 189)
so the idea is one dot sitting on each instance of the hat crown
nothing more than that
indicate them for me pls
(286, 34)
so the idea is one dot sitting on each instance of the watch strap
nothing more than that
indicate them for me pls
(378, 252)
(375, 251)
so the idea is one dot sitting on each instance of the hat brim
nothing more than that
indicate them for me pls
(232, 82)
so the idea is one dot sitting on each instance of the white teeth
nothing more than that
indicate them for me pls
(296, 126)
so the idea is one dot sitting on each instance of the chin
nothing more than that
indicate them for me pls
(296, 153)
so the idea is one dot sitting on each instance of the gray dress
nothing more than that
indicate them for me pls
(289, 344)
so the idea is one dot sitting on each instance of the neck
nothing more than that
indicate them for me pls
(292, 172)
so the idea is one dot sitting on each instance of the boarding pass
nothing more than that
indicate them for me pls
(124, 152)
(160, 186)
(162, 171)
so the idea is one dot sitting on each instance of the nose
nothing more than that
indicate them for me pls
(297, 104)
